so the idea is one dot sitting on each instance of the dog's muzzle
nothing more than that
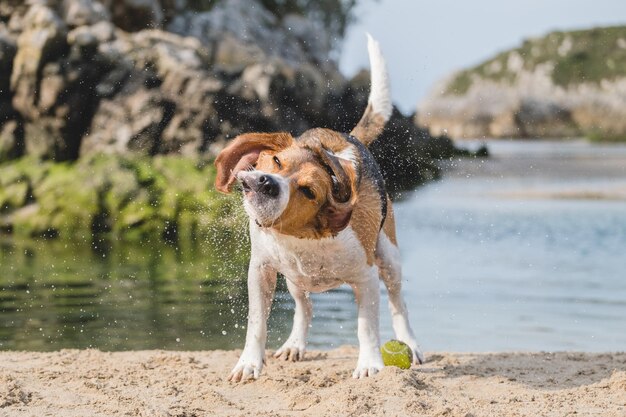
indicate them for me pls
(263, 184)
(266, 195)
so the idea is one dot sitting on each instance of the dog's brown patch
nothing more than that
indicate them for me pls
(329, 139)
(366, 217)
(389, 227)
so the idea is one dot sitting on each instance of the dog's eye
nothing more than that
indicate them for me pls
(277, 162)
(308, 193)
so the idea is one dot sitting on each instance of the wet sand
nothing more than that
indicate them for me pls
(167, 383)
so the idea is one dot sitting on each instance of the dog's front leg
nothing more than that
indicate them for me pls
(294, 347)
(367, 295)
(261, 285)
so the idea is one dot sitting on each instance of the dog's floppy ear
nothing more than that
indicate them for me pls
(243, 152)
(338, 210)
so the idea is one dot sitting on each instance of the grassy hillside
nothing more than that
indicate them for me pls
(575, 57)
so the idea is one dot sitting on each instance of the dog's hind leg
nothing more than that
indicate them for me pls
(294, 347)
(388, 260)
(367, 294)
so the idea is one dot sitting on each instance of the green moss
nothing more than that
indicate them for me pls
(131, 198)
(13, 195)
(594, 56)
(460, 84)
(495, 69)
(600, 136)
(27, 168)
(67, 204)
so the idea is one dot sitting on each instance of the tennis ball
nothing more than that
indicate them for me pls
(396, 353)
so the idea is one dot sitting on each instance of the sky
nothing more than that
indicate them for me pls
(426, 40)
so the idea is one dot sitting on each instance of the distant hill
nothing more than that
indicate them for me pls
(561, 85)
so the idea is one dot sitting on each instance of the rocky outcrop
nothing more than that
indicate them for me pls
(146, 77)
(10, 140)
(240, 32)
(563, 85)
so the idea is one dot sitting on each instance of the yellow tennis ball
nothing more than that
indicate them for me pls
(397, 353)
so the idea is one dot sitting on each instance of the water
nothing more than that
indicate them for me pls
(522, 251)
(56, 295)
(525, 251)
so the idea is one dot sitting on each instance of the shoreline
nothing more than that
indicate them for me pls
(173, 383)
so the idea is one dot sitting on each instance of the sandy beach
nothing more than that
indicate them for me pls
(169, 383)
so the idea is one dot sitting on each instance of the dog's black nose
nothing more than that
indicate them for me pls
(268, 186)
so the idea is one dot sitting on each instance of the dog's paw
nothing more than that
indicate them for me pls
(368, 367)
(418, 356)
(291, 351)
(246, 368)
(365, 371)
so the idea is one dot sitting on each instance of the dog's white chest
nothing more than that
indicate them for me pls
(314, 264)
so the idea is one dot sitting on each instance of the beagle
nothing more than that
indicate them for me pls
(319, 215)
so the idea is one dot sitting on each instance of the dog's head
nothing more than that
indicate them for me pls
(305, 186)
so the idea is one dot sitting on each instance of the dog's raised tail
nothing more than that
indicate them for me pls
(379, 105)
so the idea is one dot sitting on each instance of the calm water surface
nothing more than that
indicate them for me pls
(522, 251)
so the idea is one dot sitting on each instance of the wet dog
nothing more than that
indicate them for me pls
(319, 215)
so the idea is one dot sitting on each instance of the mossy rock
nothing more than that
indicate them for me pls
(119, 189)
(66, 201)
(29, 169)
(14, 195)
(29, 221)
(136, 212)
(135, 198)
(598, 135)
